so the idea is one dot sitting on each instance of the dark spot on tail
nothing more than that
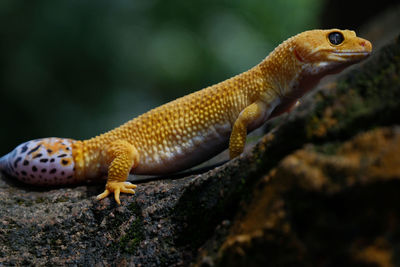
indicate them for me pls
(44, 160)
(16, 162)
(44, 170)
(52, 160)
(34, 168)
(38, 155)
(64, 162)
(53, 171)
(25, 162)
(62, 155)
(49, 151)
(23, 172)
(24, 149)
(69, 177)
(33, 149)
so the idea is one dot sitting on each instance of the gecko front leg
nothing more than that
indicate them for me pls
(251, 117)
(122, 157)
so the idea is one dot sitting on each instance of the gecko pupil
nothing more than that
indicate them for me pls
(335, 38)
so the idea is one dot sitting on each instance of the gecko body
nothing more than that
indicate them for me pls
(193, 128)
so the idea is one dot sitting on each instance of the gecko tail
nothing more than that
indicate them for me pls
(4, 163)
(46, 161)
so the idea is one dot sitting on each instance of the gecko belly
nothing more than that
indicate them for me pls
(194, 149)
(185, 154)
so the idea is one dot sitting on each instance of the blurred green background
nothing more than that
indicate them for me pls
(79, 68)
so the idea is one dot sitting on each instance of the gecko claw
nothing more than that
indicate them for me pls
(103, 195)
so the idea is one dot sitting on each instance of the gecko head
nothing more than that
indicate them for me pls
(323, 51)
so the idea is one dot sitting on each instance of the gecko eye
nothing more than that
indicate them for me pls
(336, 38)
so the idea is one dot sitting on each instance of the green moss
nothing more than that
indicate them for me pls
(134, 234)
(39, 200)
(62, 199)
(328, 148)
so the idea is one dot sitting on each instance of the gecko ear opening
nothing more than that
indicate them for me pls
(298, 56)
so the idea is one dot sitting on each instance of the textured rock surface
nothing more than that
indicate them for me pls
(324, 206)
(320, 190)
(334, 199)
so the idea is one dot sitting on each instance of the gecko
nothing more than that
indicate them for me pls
(193, 128)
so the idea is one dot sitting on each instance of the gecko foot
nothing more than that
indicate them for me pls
(117, 188)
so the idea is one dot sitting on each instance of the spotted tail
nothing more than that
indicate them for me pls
(46, 161)
(4, 163)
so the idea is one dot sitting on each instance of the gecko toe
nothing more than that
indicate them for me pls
(103, 195)
(116, 195)
(129, 185)
(128, 191)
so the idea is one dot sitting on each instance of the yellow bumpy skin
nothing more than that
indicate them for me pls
(123, 157)
(193, 128)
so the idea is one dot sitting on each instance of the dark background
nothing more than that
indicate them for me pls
(79, 68)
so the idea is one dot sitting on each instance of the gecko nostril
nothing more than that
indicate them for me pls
(362, 43)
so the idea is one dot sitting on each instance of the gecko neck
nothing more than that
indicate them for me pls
(282, 70)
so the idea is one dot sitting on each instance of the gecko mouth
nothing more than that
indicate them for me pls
(361, 53)
(346, 56)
